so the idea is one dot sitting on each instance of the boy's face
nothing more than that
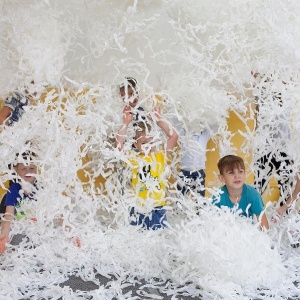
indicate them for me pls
(131, 97)
(144, 144)
(25, 171)
(233, 179)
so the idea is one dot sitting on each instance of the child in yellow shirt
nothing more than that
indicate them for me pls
(148, 163)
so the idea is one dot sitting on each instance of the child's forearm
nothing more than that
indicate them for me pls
(4, 114)
(127, 118)
(264, 224)
(5, 228)
(294, 195)
(285, 205)
(290, 199)
(5, 223)
(120, 138)
(166, 127)
(171, 133)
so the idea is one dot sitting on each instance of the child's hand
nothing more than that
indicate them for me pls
(77, 241)
(155, 116)
(127, 114)
(3, 241)
(74, 239)
(278, 215)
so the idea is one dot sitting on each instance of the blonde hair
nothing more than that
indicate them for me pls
(141, 129)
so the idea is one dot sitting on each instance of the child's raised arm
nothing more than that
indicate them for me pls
(121, 135)
(167, 128)
(264, 224)
(295, 195)
(4, 114)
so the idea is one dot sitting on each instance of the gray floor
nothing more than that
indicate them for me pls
(76, 283)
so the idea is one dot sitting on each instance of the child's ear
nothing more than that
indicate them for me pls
(221, 178)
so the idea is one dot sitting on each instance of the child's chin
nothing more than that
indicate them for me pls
(238, 184)
(133, 103)
(29, 179)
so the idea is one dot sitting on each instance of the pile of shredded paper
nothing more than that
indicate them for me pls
(195, 60)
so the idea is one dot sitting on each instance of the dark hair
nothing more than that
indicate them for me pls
(27, 156)
(230, 162)
(129, 82)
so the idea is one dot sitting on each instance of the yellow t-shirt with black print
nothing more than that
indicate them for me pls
(147, 181)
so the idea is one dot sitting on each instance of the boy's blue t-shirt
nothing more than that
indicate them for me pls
(251, 202)
(13, 197)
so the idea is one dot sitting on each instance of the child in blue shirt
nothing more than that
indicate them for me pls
(23, 189)
(16, 194)
(237, 195)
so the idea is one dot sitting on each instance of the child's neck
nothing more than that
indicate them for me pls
(148, 153)
(235, 195)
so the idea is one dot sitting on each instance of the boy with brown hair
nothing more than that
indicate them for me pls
(148, 164)
(235, 193)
